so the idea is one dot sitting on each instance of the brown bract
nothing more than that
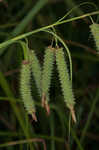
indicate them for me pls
(73, 114)
(34, 117)
(45, 104)
(25, 62)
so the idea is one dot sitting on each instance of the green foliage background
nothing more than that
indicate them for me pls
(17, 130)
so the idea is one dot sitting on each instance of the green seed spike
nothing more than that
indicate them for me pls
(25, 89)
(36, 70)
(65, 81)
(46, 76)
(95, 32)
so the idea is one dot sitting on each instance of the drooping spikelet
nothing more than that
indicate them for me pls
(66, 84)
(36, 70)
(95, 32)
(25, 89)
(46, 75)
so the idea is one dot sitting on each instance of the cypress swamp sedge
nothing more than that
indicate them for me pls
(25, 89)
(45, 88)
(66, 84)
(46, 76)
(95, 32)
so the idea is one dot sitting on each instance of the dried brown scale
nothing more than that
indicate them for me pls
(34, 117)
(25, 62)
(73, 114)
(45, 104)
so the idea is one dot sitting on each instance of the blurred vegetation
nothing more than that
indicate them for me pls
(17, 129)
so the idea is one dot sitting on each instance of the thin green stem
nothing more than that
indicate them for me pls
(25, 49)
(13, 40)
(74, 8)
